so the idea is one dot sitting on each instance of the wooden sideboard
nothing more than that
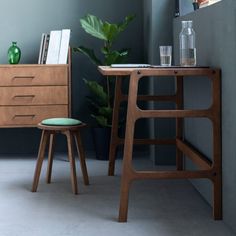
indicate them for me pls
(30, 93)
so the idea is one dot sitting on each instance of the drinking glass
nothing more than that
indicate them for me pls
(165, 55)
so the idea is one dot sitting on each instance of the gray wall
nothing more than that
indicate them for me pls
(185, 7)
(158, 30)
(215, 28)
(24, 21)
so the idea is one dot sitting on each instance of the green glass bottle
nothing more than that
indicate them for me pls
(14, 54)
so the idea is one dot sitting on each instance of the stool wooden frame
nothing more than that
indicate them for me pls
(209, 169)
(48, 135)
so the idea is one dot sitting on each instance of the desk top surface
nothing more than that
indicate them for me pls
(161, 71)
(8, 66)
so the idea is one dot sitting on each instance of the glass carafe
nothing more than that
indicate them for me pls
(187, 45)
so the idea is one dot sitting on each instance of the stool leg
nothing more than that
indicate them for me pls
(72, 162)
(50, 157)
(41, 153)
(81, 155)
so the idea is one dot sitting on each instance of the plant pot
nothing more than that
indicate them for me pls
(101, 140)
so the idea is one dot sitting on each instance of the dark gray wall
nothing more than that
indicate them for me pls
(158, 20)
(24, 21)
(185, 7)
(215, 28)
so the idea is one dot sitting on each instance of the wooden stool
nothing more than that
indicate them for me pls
(69, 131)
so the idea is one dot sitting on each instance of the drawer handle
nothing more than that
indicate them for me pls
(24, 77)
(23, 96)
(24, 116)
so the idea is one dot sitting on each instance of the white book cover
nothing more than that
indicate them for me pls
(65, 39)
(54, 47)
(41, 48)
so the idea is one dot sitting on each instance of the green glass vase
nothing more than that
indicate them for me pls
(14, 54)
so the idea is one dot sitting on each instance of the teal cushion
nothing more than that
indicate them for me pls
(61, 121)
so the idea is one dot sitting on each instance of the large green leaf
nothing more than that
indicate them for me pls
(100, 99)
(89, 53)
(122, 26)
(93, 26)
(116, 57)
(111, 31)
(98, 92)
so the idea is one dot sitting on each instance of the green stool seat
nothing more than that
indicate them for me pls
(61, 122)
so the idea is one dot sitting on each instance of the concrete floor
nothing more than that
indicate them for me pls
(162, 208)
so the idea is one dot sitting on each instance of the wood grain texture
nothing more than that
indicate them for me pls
(70, 132)
(41, 154)
(35, 95)
(31, 93)
(50, 157)
(81, 155)
(209, 170)
(72, 162)
(32, 75)
(29, 115)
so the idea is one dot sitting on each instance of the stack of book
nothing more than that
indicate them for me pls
(54, 47)
(205, 3)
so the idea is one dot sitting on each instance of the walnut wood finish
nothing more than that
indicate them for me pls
(72, 162)
(179, 121)
(115, 141)
(81, 155)
(31, 93)
(207, 169)
(36, 95)
(50, 157)
(33, 75)
(41, 153)
(69, 132)
(29, 116)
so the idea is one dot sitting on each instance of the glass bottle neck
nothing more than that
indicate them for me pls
(187, 24)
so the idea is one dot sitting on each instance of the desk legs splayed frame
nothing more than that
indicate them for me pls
(207, 169)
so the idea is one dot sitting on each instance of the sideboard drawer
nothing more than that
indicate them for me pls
(23, 75)
(40, 95)
(30, 115)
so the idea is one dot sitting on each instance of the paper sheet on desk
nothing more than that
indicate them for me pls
(151, 66)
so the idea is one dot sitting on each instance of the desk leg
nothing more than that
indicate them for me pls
(127, 170)
(217, 179)
(217, 162)
(179, 121)
(115, 125)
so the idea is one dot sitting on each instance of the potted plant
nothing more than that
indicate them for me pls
(102, 92)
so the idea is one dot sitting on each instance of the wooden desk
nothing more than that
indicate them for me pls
(206, 168)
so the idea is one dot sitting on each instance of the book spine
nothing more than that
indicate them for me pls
(46, 49)
(41, 48)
